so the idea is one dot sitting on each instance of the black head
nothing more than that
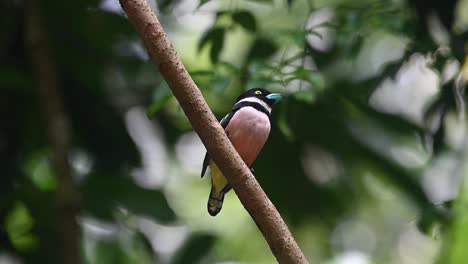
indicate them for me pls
(262, 94)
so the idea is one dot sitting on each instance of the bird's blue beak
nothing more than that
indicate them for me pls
(274, 97)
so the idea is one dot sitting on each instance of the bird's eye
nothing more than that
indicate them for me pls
(258, 92)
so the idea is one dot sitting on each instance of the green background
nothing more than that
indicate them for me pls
(365, 161)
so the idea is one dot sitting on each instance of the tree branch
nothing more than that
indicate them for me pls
(251, 195)
(58, 132)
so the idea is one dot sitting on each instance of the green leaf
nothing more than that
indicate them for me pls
(156, 106)
(107, 252)
(284, 126)
(306, 96)
(163, 5)
(125, 246)
(311, 76)
(194, 249)
(317, 80)
(231, 68)
(302, 73)
(39, 170)
(245, 19)
(455, 240)
(262, 49)
(215, 36)
(217, 45)
(430, 221)
(19, 224)
(15, 78)
(202, 2)
(104, 194)
(315, 33)
(162, 97)
(221, 14)
(202, 73)
(209, 36)
(356, 45)
(296, 37)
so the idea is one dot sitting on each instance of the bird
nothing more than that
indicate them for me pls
(247, 126)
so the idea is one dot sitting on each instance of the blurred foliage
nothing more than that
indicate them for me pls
(339, 155)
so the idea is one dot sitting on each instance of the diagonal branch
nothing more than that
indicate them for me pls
(58, 132)
(251, 195)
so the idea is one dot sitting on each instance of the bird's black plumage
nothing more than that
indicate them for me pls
(259, 93)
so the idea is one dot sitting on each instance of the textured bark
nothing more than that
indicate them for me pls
(58, 132)
(251, 195)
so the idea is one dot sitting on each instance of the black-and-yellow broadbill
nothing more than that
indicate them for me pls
(248, 127)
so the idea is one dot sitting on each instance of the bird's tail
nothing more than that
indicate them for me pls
(215, 201)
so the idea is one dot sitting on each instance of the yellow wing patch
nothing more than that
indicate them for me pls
(217, 178)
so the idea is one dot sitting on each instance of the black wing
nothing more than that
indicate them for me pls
(224, 122)
(206, 161)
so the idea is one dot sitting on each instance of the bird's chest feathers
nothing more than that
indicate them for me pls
(248, 130)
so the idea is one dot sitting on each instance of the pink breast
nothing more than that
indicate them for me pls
(248, 131)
